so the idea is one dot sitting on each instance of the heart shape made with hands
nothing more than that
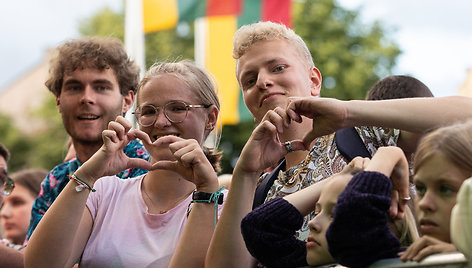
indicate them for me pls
(163, 157)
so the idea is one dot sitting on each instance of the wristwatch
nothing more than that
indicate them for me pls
(205, 197)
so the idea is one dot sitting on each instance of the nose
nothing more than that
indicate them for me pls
(88, 95)
(161, 119)
(263, 80)
(427, 202)
(5, 212)
(315, 224)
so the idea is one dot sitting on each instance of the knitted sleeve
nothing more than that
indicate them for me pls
(269, 233)
(359, 233)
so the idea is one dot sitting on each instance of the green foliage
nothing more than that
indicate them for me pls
(18, 145)
(49, 145)
(105, 22)
(44, 149)
(351, 56)
(233, 139)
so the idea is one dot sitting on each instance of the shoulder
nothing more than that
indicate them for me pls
(58, 177)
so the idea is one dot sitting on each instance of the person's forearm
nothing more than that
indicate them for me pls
(52, 242)
(196, 236)
(415, 114)
(227, 248)
(10, 257)
(305, 199)
(195, 240)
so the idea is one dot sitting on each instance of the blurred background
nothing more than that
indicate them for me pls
(353, 42)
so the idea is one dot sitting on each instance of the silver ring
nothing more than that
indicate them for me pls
(288, 146)
(408, 198)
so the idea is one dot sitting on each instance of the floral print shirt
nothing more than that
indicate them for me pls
(58, 178)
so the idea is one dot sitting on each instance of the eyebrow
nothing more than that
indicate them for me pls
(96, 81)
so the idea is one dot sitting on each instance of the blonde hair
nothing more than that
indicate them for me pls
(453, 142)
(248, 35)
(204, 86)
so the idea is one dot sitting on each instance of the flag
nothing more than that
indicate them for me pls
(215, 24)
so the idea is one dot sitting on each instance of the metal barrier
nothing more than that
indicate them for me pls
(443, 260)
(449, 260)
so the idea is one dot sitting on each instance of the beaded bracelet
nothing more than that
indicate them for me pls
(81, 184)
(214, 197)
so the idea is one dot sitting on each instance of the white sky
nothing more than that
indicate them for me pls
(435, 36)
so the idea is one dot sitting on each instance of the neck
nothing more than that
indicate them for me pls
(296, 132)
(85, 151)
(162, 190)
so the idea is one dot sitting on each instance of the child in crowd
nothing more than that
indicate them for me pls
(442, 164)
(108, 222)
(16, 210)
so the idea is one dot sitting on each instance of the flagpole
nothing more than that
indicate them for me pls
(134, 40)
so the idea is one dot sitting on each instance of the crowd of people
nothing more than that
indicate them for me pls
(151, 197)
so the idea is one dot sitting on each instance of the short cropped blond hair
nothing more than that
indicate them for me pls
(248, 35)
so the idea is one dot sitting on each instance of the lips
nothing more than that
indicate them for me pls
(88, 117)
(157, 136)
(311, 242)
(8, 226)
(428, 226)
(268, 96)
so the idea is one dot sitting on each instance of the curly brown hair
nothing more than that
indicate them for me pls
(93, 52)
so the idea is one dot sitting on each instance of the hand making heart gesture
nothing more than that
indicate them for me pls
(110, 159)
(264, 148)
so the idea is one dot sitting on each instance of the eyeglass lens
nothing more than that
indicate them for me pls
(6, 182)
(175, 111)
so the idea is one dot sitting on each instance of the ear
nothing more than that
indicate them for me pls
(212, 118)
(58, 104)
(127, 102)
(315, 77)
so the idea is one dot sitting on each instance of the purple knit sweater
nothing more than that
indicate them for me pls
(359, 234)
(269, 233)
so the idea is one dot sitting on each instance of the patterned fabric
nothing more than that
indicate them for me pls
(10, 245)
(58, 178)
(324, 160)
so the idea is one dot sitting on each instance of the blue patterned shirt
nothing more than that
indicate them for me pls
(58, 178)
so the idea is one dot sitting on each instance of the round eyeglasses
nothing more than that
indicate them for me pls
(174, 111)
(6, 183)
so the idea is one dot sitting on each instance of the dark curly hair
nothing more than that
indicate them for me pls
(93, 52)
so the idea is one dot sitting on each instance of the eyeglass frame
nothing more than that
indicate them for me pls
(8, 185)
(157, 108)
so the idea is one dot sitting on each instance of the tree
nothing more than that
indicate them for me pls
(351, 56)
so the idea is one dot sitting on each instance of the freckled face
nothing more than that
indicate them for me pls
(437, 183)
(270, 72)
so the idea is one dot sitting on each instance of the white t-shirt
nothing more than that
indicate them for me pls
(124, 234)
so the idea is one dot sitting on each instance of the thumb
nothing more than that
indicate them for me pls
(139, 163)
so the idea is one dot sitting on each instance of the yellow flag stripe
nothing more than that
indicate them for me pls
(219, 62)
(159, 15)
